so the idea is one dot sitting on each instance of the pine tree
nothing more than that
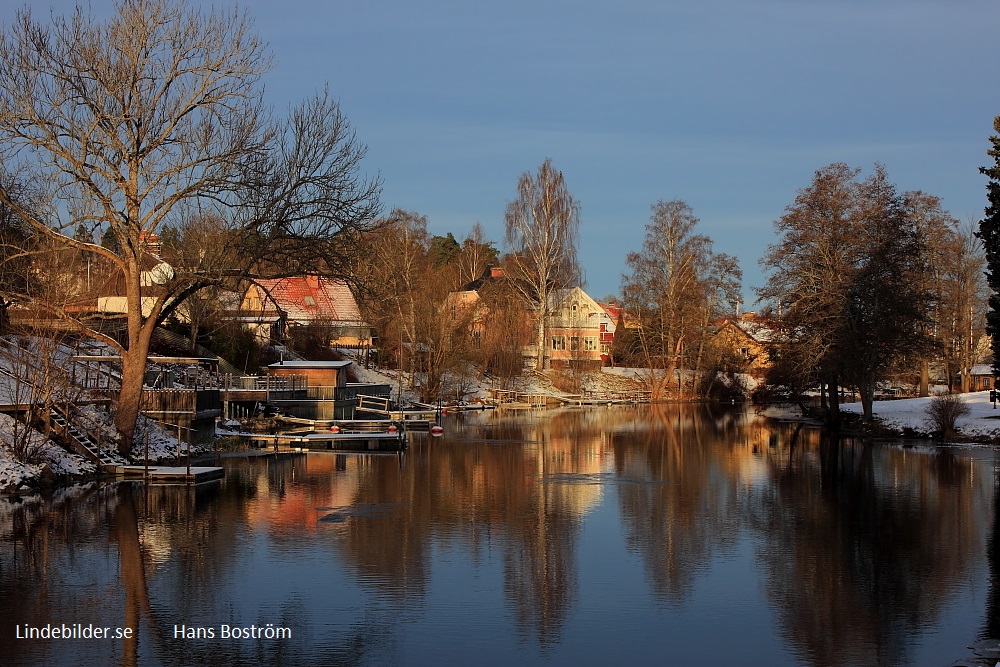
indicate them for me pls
(989, 233)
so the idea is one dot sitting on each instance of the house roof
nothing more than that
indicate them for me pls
(612, 310)
(311, 298)
(559, 296)
(752, 326)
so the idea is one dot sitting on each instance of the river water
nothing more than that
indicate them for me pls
(644, 535)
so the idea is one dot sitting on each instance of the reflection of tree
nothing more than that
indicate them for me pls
(47, 564)
(991, 629)
(857, 547)
(853, 557)
(125, 532)
(539, 565)
(677, 505)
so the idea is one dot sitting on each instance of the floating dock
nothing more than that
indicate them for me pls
(344, 435)
(332, 441)
(173, 474)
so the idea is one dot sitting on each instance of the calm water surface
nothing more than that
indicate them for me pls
(651, 535)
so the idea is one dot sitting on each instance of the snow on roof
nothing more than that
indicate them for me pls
(760, 332)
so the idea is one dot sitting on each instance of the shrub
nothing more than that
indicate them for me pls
(944, 411)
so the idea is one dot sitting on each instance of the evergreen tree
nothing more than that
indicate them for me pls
(989, 233)
(443, 250)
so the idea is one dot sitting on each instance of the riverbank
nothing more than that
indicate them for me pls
(908, 417)
(51, 465)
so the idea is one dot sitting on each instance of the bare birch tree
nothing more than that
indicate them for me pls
(125, 121)
(476, 255)
(676, 284)
(542, 226)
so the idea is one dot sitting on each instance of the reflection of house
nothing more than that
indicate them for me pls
(271, 306)
(747, 338)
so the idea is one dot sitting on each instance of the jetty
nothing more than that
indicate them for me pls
(342, 435)
(172, 474)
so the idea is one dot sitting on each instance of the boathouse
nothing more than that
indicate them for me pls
(328, 393)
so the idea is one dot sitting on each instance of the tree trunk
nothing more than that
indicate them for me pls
(130, 394)
(540, 340)
(925, 378)
(833, 416)
(868, 396)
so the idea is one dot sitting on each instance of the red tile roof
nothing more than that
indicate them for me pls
(311, 298)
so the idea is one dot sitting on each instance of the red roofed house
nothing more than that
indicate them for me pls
(271, 306)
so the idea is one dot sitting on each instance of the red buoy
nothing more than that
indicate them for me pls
(436, 431)
(392, 428)
(334, 429)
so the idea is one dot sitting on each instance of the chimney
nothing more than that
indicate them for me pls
(496, 272)
(312, 281)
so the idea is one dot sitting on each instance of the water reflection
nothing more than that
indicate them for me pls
(481, 545)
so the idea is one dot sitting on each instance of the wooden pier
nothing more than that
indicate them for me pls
(343, 435)
(368, 442)
(173, 474)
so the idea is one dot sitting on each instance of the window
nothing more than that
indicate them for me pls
(476, 340)
(574, 343)
(308, 300)
(559, 342)
(590, 343)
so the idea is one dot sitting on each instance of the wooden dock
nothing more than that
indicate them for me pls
(318, 441)
(343, 435)
(173, 474)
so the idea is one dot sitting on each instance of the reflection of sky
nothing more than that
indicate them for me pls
(417, 569)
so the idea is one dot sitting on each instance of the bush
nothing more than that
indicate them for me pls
(944, 411)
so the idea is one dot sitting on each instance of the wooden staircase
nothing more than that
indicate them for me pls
(81, 441)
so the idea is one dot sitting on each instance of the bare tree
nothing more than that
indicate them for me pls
(849, 275)
(33, 376)
(476, 255)
(202, 246)
(675, 286)
(390, 273)
(124, 121)
(499, 332)
(810, 267)
(542, 225)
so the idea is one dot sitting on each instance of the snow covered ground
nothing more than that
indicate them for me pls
(50, 456)
(983, 418)
(54, 460)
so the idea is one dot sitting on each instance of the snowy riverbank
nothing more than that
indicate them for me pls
(910, 415)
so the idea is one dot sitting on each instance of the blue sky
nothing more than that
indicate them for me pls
(730, 105)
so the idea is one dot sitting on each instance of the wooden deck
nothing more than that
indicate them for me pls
(318, 441)
(173, 474)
